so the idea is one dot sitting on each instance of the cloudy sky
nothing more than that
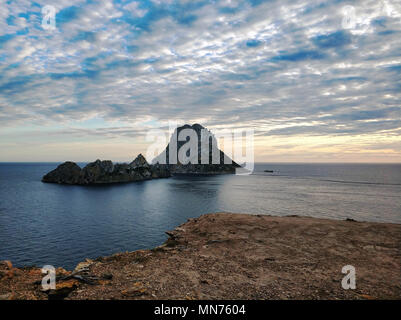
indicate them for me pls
(318, 81)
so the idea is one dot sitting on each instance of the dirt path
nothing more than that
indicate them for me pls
(236, 256)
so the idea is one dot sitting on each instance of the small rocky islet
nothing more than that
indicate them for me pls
(106, 172)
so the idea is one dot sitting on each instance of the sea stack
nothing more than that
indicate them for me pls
(224, 164)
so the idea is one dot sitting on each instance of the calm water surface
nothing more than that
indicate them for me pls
(62, 225)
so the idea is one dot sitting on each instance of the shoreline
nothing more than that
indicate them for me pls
(235, 256)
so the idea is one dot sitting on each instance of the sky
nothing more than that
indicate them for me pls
(317, 81)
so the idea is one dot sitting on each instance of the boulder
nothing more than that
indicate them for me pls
(97, 172)
(66, 173)
(6, 264)
(139, 161)
(6, 269)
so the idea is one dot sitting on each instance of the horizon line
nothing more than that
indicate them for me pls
(256, 162)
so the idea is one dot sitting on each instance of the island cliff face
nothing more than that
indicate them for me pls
(102, 172)
(225, 165)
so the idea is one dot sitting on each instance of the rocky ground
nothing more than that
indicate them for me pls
(235, 256)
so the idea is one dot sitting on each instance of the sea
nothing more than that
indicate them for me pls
(49, 224)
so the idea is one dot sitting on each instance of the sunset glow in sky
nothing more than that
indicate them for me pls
(314, 84)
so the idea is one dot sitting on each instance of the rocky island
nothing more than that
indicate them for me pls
(105, 172)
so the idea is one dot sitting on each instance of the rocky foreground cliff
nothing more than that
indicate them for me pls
(234, 256)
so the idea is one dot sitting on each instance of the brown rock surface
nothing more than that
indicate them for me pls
(239, 256)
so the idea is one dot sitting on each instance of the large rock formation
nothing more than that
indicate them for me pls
(195, 165)
(66, 173)
(103, 172)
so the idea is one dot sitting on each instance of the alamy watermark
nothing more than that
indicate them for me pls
(49, 17)
(349, 281)
(353, 19)
(49, 280)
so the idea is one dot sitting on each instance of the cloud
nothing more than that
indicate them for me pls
(134, 9)
(260, 64)
(332, 40)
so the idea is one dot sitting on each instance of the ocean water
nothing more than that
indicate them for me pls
(61, 225)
